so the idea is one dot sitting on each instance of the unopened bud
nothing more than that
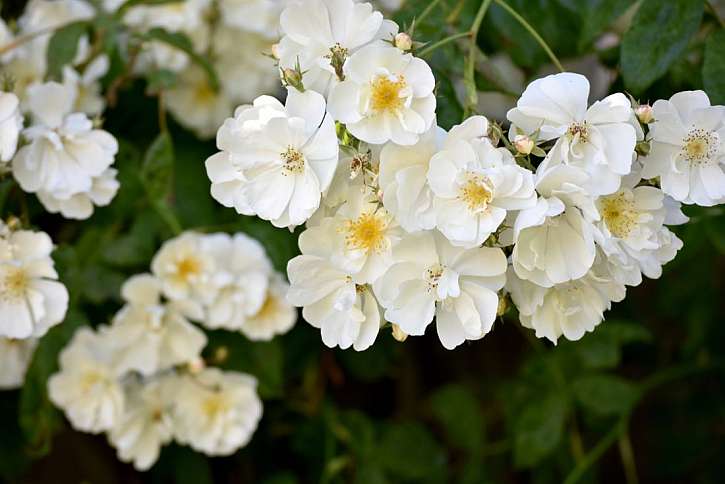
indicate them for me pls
(221, 354)
(403, 42)
(644, 113)
(13, 223)
(195, 366)
(523, 144)
(398, 333)
(292, 77)
(275, 51)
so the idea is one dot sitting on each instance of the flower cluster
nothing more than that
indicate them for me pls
(142, 380)
(406, 222)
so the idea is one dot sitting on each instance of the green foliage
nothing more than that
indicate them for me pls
(63, 46)
(158, 167)
(659, 35)
(538, 430)
(605, 394)
(459, 412)
(713, 68)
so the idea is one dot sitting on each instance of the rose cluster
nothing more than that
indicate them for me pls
(406, 222)
(142, 379)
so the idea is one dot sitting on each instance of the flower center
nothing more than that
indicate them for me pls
(700, 146)
(476, 192)
(433, 275)
(367, 232)
(269, 308)
(188, 267)
(14, 283)
(580, 130)
(294, 161)
(90, 379)
(203, 93)
(386, 94)
(619, 214)
(214, 405)
(337, 57)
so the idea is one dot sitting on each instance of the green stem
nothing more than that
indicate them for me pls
(469, 71)
(430, 48)
(596, 452)
(533, 33)
(627, 455)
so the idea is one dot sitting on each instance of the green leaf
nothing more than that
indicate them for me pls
(135, 248)
(713, 68)
(39, 419)
(182, 42)
(160, 79)
(62, 47)
(605, 394)
(538, 430)
(158, 167)
(597, 15)
(132, 3)
(460, 413)
(659, 35)
(409, 451)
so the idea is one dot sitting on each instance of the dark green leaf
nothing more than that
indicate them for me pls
(538, 430)
(158, 166)
(182, 42)
(132, 3)
(459, 412)
(597, 15)
(605, 394)
(62, 47)
(713, 68)
(660, 32)
(409, 451)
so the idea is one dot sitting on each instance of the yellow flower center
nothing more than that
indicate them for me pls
(214, 405)
(14, 283)
(367, 232)
(204, 94)
(476, 192)
(90, 379)
(294, 161)
(188, 267)
(580, 130)
(269, 308)
(700, 146)
(385, 96)
(619, 214)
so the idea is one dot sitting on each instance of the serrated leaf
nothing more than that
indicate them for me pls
(538, 430)
(459, 412)
(62, 47)
(158, 166)
(605, 394)
(659, 35)
(183, 43)
(713, 68)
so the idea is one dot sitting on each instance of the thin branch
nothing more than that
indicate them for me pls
(430, 48)
(627, 455)
(469, 70)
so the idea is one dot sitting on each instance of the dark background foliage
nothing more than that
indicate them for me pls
(639, 400)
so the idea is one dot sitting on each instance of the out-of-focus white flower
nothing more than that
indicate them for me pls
(403, 180)
(599, 139)
(219, 411)
(80, 206)
(88, 98)
(186, 270)
(15, 356)
(570, 309)
(688, 148)
(320, 35)
(276, 316)
(258, 16)
(66, 155)
(147, 422)
(554, 240)
(31, 298)
(149, 335)
(474, 184)
(433, 278)
(11, 122)
(387, 95)
(195, 104)
(87, 386)
(241, 278)
(276, 160)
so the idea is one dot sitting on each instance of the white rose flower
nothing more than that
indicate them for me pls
(15, 356)
(31, 298)
(11, 122)
(87, 386)
(241, 278)
(322, 34)
(554, 240)
(276, 160)
(80, 206)
(276, 316)
(431, 277)
(688, 149)
(88, 99)
(570, 309)
(147, 422)
(66, 155)
(387, 95)
(404, 183)
(149, 335)
(195, 105)
(219, 412)
(599, 139)
(258, 16)
(475, 184)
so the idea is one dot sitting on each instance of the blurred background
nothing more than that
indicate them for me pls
(642, 399)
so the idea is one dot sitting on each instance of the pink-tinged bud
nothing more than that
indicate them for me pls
(275, 51)
(523, 144)
(644, 113)
(403, 42)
